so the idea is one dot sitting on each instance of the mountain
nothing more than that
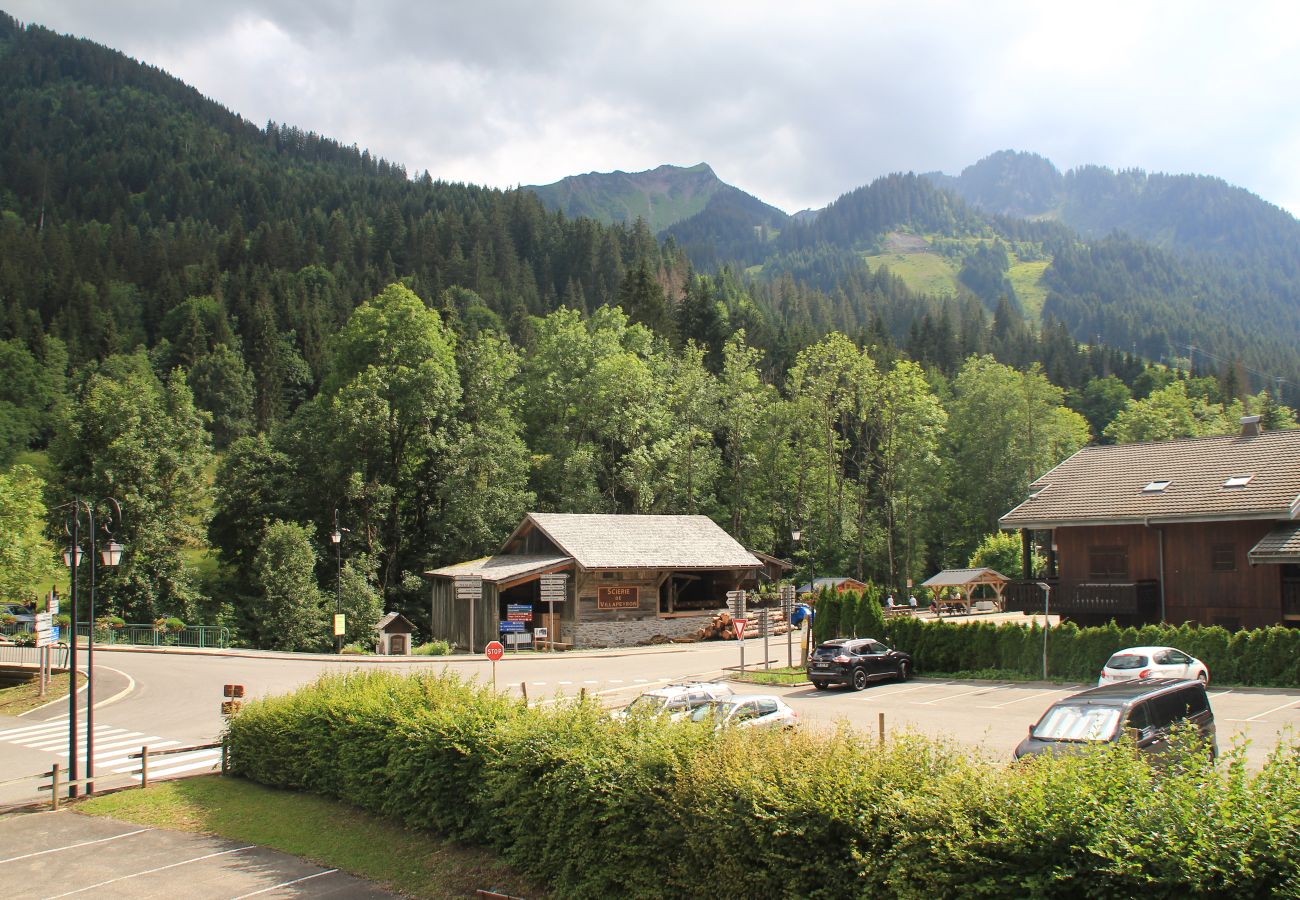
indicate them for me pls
(717, 220)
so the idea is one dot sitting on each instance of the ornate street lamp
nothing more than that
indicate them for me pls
(336, 538)
(110, 556)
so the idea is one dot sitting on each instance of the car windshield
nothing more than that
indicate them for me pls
(828, 652)
(1126, 661)
(1076, 722)
(713, 710)
(647, 703)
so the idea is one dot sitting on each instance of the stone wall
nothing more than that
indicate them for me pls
(629, 632)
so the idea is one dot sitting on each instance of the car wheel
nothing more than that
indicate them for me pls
(1203, 677)
(859, 679)
(904, 671)
(820, 685)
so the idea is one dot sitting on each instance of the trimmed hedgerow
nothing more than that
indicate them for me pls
(1263, 657)
(646, 808)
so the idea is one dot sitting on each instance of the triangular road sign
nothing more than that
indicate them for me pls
(739, 625)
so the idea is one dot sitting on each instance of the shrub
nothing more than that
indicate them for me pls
(648, 808)
(433, 648)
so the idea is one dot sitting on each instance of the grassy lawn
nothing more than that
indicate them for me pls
(782, 675)
(22, 697)
(415, 863)
(928, 273)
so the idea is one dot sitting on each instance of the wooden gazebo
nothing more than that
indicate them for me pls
(964, 582)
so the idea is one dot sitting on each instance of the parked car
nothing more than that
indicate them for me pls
(1147, 709)
(747, 711)
(856, 662)
(1152, 662)
(675, 700)
(16, 618)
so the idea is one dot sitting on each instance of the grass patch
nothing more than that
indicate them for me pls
(24, 697)
(924, 272)
(782, 675)
(412, 862)
(1026, 281)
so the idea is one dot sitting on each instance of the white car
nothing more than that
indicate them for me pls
(747, 711)
(1152, 662)
(675, 700)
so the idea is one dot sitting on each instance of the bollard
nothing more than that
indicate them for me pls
(225, 757)
(582, 695)
(144, 767)
(523, 686)
(54, 790)
(882, 729)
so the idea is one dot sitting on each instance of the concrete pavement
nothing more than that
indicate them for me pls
(62, 854)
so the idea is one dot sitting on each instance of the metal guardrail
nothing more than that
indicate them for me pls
(13, 654)
(149, 635)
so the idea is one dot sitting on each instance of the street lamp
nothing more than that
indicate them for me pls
(109, 556)
(336, 538)
(1047, 623)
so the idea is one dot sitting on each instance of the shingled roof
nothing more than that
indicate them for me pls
(1204, 479)
(505, 567)
(639, 542)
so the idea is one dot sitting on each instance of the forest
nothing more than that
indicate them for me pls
(239, 332)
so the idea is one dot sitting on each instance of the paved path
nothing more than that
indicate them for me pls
(63, 854)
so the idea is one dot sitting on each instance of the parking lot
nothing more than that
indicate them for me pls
(996, 715)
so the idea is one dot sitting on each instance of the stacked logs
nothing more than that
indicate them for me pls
(720, 628)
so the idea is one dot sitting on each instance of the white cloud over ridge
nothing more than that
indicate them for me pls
(793, 103)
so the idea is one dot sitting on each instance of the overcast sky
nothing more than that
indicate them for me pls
(795, 103)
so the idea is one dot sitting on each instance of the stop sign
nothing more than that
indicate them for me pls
(494, 650)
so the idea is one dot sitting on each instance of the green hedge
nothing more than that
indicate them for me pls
(597, 808)
(1263, 657)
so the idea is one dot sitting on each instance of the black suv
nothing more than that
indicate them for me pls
(1147, 709)
(856, 662)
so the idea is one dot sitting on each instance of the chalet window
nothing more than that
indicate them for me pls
(1108, 562)
(1223, 558)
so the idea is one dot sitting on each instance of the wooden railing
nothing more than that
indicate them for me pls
(1131, 598)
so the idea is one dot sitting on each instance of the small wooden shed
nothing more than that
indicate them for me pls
(964, 582)
(393, 635)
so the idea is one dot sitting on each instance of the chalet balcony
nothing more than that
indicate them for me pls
(1133, 598)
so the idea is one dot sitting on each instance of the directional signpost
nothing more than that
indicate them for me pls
(470, 587)
(736, 600)
(494, 651)
(764, 628)
(553, 589)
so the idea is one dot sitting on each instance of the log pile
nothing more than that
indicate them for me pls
(720, 628)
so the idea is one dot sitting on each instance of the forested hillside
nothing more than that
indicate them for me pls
(238, 330)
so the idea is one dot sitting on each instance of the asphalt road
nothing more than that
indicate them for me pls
(173, 699)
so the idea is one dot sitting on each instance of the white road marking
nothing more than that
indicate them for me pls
(616, 681)
(983, 690)
(210, 762)
(1034, 696)
(564, 682)
(286, 884)
(183, 862)
(133, 741)
(56, 723)
(74, 846)
(539, 684)
(1290, 702)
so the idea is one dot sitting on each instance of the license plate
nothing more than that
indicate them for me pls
(821, 665)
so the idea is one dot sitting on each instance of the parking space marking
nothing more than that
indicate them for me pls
(183, 862)
(908, 690)
(1256, 718)
(983, 690)
(286, 884)
(74, 846)
(1034, 696)
(1220, 694)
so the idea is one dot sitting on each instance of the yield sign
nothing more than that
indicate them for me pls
(739, 625)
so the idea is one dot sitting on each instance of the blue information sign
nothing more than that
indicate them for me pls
(518, 608)
(511, 626)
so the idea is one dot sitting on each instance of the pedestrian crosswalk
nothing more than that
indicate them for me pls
(113, 749)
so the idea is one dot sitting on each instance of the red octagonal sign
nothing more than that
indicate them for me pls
(494, 650)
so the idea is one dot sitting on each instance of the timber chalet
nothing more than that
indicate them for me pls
(1197, 530)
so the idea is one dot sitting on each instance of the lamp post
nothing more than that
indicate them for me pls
(336, 538)
(796, 535)
(1047, 623)
(110, 556)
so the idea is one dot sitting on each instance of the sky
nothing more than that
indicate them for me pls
(795, 103)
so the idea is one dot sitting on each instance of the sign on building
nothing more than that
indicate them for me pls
(620, 597)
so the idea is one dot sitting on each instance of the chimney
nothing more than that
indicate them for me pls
(1249, 426)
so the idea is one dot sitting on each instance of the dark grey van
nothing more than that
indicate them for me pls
(1148, 709)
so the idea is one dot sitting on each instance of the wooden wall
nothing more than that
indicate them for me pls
(1250, 596)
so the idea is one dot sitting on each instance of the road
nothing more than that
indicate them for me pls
(173, 699)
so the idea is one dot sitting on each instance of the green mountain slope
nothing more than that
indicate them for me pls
(660, 197)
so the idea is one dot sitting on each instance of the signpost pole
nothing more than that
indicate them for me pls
(765, 623)
(787, 608)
